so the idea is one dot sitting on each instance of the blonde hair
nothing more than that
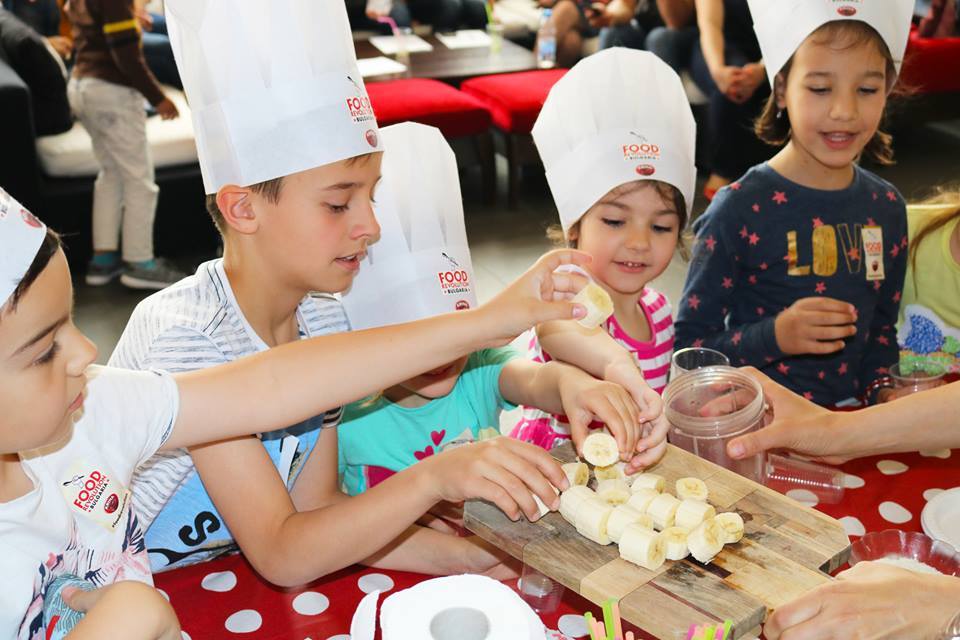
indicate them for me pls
(950, 199)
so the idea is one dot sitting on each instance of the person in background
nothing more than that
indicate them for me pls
(625, 23)
(942, 20)
(673, 42)
(156, 45)
(107, 90)
(44, 17)
(727, 66)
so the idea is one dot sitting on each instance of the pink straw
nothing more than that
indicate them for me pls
(693, 631)
(617, 622)
(393, 25)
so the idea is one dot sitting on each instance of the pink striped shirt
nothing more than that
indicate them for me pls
(652, 356)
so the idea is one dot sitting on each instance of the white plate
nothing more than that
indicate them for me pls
(941, 517)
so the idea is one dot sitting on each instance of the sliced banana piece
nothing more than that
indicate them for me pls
(642, 546)
(692, 489)
(541, 507)
(613, 492)
(616, 471)
(675, 543)
(732, 526)
(570, 500)
(640, 500)
(706, 541)
(648, 481)
(600, 449)
(621, 517)
(591, 520)
(691, 513)
(577, 473)
(598, 304)
(663, 510)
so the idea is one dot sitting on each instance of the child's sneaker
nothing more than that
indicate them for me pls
(103, 270)
(153, 274)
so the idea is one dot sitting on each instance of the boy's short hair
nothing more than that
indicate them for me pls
(48, 248)
(269, 189)
(773, 126)
(666, 191)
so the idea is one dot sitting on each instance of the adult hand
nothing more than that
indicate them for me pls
(797, 425)
(815, 326)
(871, 600)
(726, 78)
(539, 295)
(599, 16)
(503, 471)
(63, 46)
(144, 18)
(168, 110)
(750, 78)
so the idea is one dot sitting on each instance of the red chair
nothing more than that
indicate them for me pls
(439, 105)
(514, 100)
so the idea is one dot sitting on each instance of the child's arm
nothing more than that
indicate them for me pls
(560, 388)
(131, 610)
(123, 39)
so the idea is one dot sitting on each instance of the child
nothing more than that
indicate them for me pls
(110, 81)
(302, 226)
(620, 163)
(71, 435)
(798, 266)
(929, 326)
(420, 267)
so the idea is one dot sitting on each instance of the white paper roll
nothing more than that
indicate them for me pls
(466, 607)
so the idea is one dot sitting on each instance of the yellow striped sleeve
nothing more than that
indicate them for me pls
(124, 25)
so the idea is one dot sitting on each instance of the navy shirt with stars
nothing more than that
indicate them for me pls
(766, 242)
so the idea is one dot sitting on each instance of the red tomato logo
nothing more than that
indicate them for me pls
(371, 136)
(646, 169)
(30, 219)
(461, 305)
(112, 503)
(847, 11)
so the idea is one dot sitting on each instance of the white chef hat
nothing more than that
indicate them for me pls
(783, 25)
(421, 265)
(21, 235)
(273, 87)
(617, 116)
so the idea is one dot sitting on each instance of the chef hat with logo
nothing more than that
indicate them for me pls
(619, 115)
(783, 25)
(21, 235)
(421, 265)
(273, 87)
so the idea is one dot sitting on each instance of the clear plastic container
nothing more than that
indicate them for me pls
(908, 379)
(540, 591)
(693, 358)
(785, 474)
(709, 407)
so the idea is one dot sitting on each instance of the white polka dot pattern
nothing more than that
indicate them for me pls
(803, 496)
(852, 526)
(851, 481)
(895, 513)
(375, 582)
(311, 603)
(573, 626)
(930, 494)
(221, 582)
(246, 621)
(891, 467)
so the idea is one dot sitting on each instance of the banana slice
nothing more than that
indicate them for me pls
(648, 481)
(591, 520)
(692, 489)
(691, 513)
(621, 517)
(706, 541)
(663, 510)
(675, 543)
(615, 471)
(598, 303)
(613, 492)
(642, 546)
(577, 473)
(541, 507)
(732, 525)
(640, 500)
(600, 449)
(570, 501)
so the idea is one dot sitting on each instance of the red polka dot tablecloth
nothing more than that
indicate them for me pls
(227, 599)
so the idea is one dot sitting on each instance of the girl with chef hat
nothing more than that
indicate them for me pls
(799, 265)
(419, 268)
(616, 136)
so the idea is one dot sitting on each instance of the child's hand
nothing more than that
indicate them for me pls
(815, 326)
(167, 110)
(502, 471)
(586, 399)
(652, 444)
(445, 517)
(539, 295)
(487, 560)
(135, 607)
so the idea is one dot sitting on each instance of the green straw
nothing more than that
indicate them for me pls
(489, 7)
(727, 627)
(589, 618)
(608, 618)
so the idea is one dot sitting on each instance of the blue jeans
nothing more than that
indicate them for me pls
(734, 145)
(673, 46)
(159, 54)
(630, 35)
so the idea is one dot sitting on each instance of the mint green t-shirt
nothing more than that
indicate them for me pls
(375, 440)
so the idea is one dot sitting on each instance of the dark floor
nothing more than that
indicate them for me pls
(928, 156)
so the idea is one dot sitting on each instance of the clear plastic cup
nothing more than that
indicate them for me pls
(912, 378)
(693, 358)
(495, 31)
(785, 474)
(540, 591)
(708, 407)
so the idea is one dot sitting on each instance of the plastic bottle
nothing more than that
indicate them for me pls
(546, 41)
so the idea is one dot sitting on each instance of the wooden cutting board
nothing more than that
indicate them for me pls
(785, 552)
